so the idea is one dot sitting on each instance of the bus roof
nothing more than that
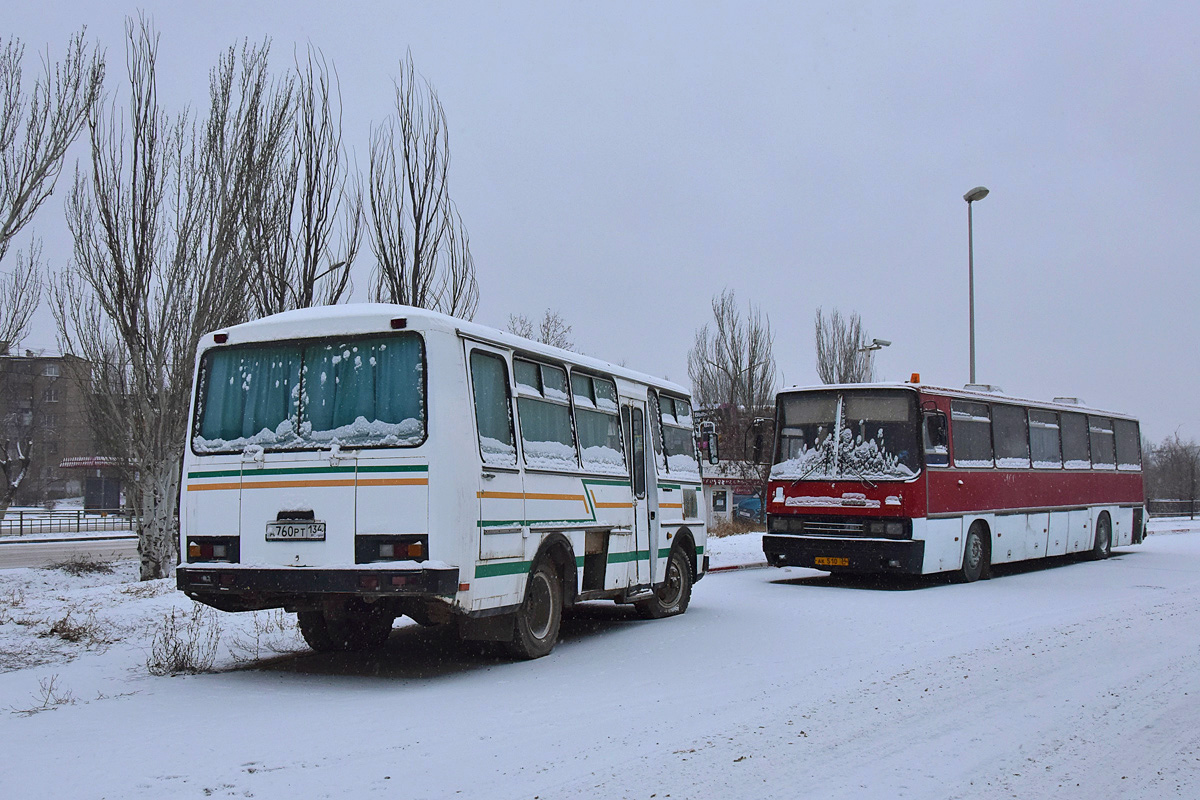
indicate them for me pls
(360, 318)
(977, 395)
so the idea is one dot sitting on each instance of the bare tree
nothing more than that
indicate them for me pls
(156, 227)
(732, 369)
(50, 116)
(1173, 472)
(841, 357)
(17, 422)
(304, 223)
(552, 329)
(420, 246)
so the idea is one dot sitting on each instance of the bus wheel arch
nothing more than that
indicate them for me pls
(686, 542)
(550, 584)
(1102, 543)
(977, 553)
(672, 595)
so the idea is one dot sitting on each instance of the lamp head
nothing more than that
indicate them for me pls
(978, 193)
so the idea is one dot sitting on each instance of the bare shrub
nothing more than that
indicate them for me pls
(89, 631)
(274, 632)
(144, 591)
(80, 564)
(185, 643)
(725, 527)
(49, 697)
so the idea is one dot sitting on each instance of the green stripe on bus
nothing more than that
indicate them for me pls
(394, 468)
(229, 473)
(635, 555)
(507, 568)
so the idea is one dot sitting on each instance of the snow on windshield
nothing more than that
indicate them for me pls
(847, 436)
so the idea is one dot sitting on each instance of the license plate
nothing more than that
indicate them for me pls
(289, 531)
(827, 561)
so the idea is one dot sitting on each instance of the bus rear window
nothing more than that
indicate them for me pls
(361, 392)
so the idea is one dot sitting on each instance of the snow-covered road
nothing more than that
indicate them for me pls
(1073, 680)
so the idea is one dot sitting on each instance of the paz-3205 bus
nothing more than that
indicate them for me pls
(906, 478)
(357, 463)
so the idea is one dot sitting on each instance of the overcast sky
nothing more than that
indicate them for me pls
(623, 162)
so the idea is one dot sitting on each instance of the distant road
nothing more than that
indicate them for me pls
(40, 552)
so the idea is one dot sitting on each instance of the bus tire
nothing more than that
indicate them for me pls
(535, 630)
(674, 593)
(975, 556)
(1102, 547)
(361, 628)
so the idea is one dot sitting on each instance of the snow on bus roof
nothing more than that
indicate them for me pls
(996, 395)
(359, 318)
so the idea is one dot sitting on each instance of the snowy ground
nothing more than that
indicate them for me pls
(1073, 680)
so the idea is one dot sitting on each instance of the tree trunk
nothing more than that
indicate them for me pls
(158, 527)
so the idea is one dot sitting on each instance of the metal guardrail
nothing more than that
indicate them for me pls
(24, 523)
(1173, 508)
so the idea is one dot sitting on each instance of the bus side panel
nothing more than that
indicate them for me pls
(1037, 528)
(1079, 531)
(1008, 538)
(943, 543)
(1056, 544)
(211, 497)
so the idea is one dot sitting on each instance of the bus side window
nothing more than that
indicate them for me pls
(493, 409)
(1129, 444)
(937, 452)
(972, 433)
(1075, 451)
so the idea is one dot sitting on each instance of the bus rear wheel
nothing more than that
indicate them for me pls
(1103, 545)
(674, 593)
(360, 627)
(540, 614)
(974, 557)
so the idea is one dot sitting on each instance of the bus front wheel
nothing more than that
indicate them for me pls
(974, 556)
(674, 593)
(540, 614)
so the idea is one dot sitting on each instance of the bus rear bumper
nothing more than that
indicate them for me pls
(904, 556)
(237, 588)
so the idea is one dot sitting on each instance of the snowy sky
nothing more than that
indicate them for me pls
(623, 162)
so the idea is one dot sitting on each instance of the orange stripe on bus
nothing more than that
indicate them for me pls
(670, 505)
(522, 496)
(614, 505)
(394, 482)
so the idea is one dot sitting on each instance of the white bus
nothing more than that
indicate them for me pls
(357, 463)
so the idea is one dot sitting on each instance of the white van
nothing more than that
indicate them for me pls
(357, 463)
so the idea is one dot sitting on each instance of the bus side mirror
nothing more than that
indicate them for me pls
(707, 441)
(710, 441)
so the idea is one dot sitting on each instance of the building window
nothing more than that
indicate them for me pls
(720, 501)
(51, 395)
(50, 370)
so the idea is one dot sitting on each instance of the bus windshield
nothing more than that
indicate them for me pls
(354, 392)
(867, 434)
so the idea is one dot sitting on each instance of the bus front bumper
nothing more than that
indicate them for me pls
(233, 587)
(904, 556)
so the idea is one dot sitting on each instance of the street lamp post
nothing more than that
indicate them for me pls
(978, 193)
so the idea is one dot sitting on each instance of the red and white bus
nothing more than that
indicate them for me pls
(907, 478)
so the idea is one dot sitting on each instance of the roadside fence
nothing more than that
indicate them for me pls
(26, 522)
(1173, 508)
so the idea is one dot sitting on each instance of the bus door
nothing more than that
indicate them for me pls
(633, 413)
(501, 495)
